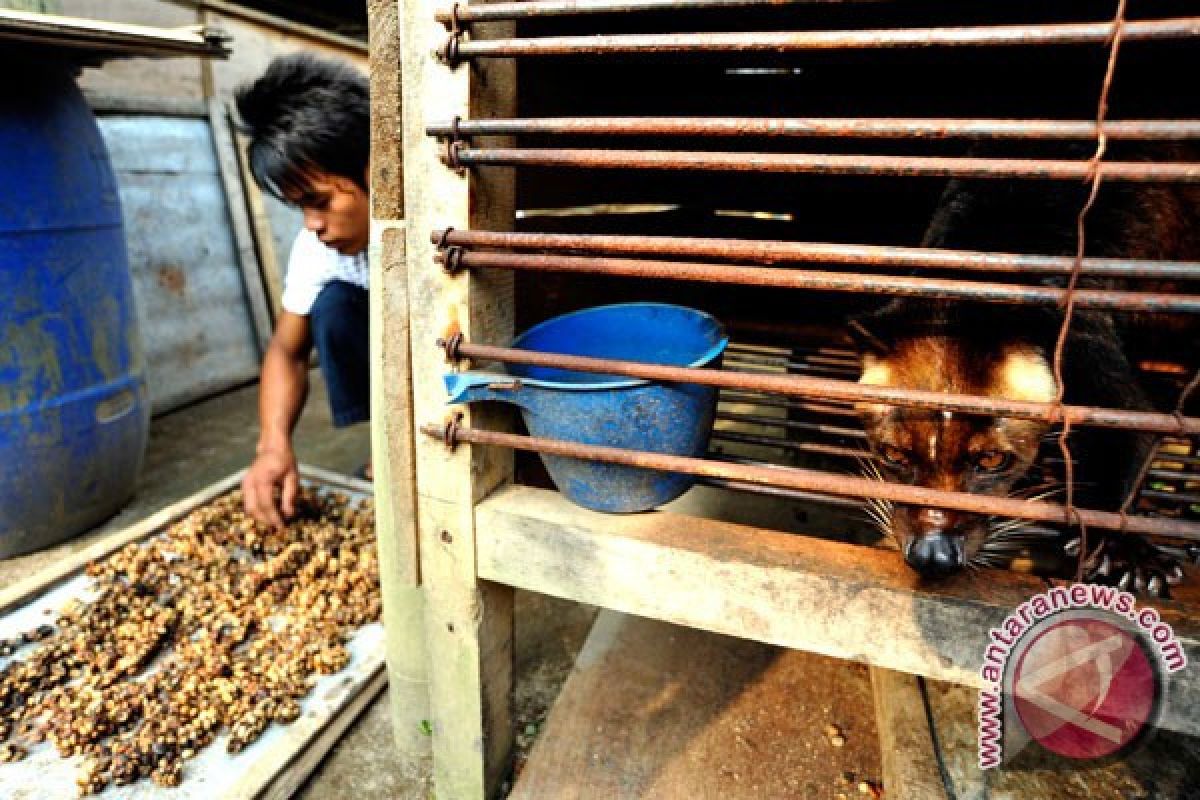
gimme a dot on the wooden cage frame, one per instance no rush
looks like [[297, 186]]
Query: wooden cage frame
[[449, 573]]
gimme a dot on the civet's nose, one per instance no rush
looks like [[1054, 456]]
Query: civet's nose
[[936, 554]]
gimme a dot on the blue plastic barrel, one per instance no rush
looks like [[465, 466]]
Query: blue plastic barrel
[[73, 404]]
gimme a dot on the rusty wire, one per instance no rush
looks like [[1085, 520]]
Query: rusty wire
[[826, 164], [817, 481], [855, 283], [800, 41], [832, 127], [772, 252], [1095, 176], [829, 389]]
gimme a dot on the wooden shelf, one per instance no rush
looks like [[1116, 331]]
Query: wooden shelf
[[102, 39]]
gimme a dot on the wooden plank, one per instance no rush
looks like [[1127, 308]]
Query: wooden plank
[[656, 712], [110, 38], [280, 24], [387, 156], [910, 769], [796, 591], [468, 623], [396, 503], [391, 410], [260, 222], [227, 160], [789, 590]]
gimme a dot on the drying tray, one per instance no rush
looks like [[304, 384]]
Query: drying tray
[[275, 765]]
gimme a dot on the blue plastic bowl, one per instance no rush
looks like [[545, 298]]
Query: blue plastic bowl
[[612, 410]]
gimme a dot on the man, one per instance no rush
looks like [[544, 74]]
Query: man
[[308, 120]]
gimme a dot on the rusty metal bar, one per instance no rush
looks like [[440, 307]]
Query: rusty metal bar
[[791, 424], [760, 365], [778, 349], [823, 164], [826, 388], [831, 127], [855, 255], [787, 494], [781, 278], [815, 497], [531, 9], [813, 480], [768, 401], [814, 448], [809, 356], [816, 364], [1184, 498], [800, 41]]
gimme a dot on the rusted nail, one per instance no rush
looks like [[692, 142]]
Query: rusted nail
[[451, 345], [452, 260], [450, 433]]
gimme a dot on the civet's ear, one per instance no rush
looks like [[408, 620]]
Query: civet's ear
[[866, 341], [878, 332], [875, 332]]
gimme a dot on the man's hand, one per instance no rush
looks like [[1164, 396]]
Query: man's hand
[[281, 394], [271, 469]]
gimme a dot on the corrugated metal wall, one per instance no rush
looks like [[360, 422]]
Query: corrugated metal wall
[[195, 321]]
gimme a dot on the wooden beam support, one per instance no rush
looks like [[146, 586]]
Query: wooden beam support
[[825, 597], [391, 404], [468, 623], [910, 768]]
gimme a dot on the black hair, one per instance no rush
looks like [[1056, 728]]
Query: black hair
[[303, 114]]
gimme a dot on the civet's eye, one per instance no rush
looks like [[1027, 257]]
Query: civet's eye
[[993, 461], [894, 456]]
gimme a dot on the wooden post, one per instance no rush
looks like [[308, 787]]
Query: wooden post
[[468, 622], [260, 225], [391, 402], [910, 770]]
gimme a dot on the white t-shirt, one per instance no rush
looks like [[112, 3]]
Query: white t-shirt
[[311, 265]]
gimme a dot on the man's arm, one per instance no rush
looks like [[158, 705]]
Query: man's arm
[[283, 389]]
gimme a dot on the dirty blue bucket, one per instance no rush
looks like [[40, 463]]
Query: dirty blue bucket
[[612, 410]]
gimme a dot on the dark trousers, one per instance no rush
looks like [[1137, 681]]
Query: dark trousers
[[339, 323]]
